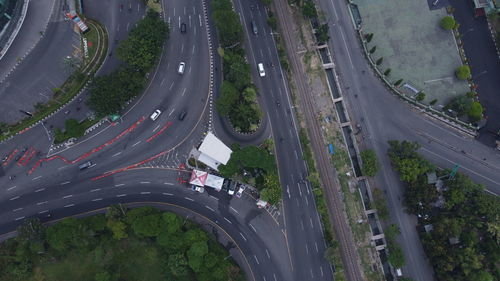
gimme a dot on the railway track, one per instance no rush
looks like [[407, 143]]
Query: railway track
[[328, 175]]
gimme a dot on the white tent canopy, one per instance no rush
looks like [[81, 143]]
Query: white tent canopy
[[213, 151]]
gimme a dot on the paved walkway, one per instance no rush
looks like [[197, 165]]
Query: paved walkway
[[36, 20]]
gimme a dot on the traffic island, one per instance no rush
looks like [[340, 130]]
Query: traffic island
[[93, 57]]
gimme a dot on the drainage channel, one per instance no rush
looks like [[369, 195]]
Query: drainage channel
[[325, 57], [352, 151], [340, 110], [331, 81]]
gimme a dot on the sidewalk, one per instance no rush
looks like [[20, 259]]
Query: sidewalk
[[37, 18]]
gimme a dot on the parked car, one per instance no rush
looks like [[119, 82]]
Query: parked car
[[240, 190], [197, 188], [225, 185], [232, 188]]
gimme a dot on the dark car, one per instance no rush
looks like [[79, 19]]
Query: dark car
[[182, 115], [225, 185], [254, 27], [85, 165], [183, 28]]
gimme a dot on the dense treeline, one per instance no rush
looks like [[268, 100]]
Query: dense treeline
[[138, 244], [464, 243], [139, 52], [238, 96]]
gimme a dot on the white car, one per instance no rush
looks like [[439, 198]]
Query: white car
[[197, 188], [262, 73], [240, 191], [182, 66], [155, 115]]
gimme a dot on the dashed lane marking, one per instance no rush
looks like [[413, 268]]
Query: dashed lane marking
[[120, 184], [242, 236], [121, 195], [33, 179], [168, 183], [14, 198], [97, 199], [41, 189], [64, 183], [136, 143], [268, 255], [146, 192], [214, 197], [94, 190], [227, 220], [44, 211], [10, 188], [20, 218], [234, 210], [256, 259], [187, 198], [67, 196], [209, 208], [16, 210], [69, 205], [41, 203], [253, 228], [145, 182]]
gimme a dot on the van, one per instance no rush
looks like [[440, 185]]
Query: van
[[262, 73], [181, 68], [254, 27], [85, 165]]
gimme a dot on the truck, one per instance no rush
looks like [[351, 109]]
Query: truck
[[76, 19]]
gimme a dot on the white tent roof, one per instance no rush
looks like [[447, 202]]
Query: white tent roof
[[214, 181], [213, 151], [198, 178]]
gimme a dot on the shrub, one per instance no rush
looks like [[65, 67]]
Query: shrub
[[420, 96], [379, 61], [448, 23], [433, 102], [471, 94], [387, 72], [397, 83], [369, 37], [475, 112], [309, 10], [463, 72], [460, 105], [373, 49], [370, 163]]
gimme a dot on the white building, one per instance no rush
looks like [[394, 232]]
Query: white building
[[213, 152]]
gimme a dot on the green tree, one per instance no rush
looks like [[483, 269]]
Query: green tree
[[148, 226], [460, 104], [118, 228], [392, 232], [228, 98], [396, 257], [447, 23], [463, 72], [410, 169], [309, 9], [330, 254], [271, 20], [475, 112], [380, 203], [370, 163], [103, 276], [401, 150], [227, 23], [272, 192], [481, 275], [172, 221], [73, 128], [322, 33], [177, 264]]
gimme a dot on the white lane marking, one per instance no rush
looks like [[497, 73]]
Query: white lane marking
[[60, 168], [307, 249], [36, 178], [192, 52], [209, 208], [288, 191], [296, 155], [312, 275], [168, 194], [67, 196], [257, 260], [302, 224], [14, 198], [316, 245], [199, 17], [187, 198], [162, 81], [121, 195], [146, 192], [64, 183], [94, 190], [41, 189], [156, 128], [300, 190], [69, 205], [227, 220], [97, 199], [41, 203], [174, 12], [10, 188], [274, 275], [243, 237], [297, 201], [44, 211], [307, 201], [214, 197], [234, 210], [311, 221], [173, 109], [171, 85], [168, 183], [255, 230], [184, 91], [321, 269], [116, 154], [16, 210], [20, 218], [145, 182], [182, 48], [136, 143], [184, 10], [268, 255], [128, 24], [346, 48], [119, 184]]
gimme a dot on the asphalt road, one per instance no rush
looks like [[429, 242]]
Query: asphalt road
[[384, 117], [485, 65], [134, 160], [42, 70]]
